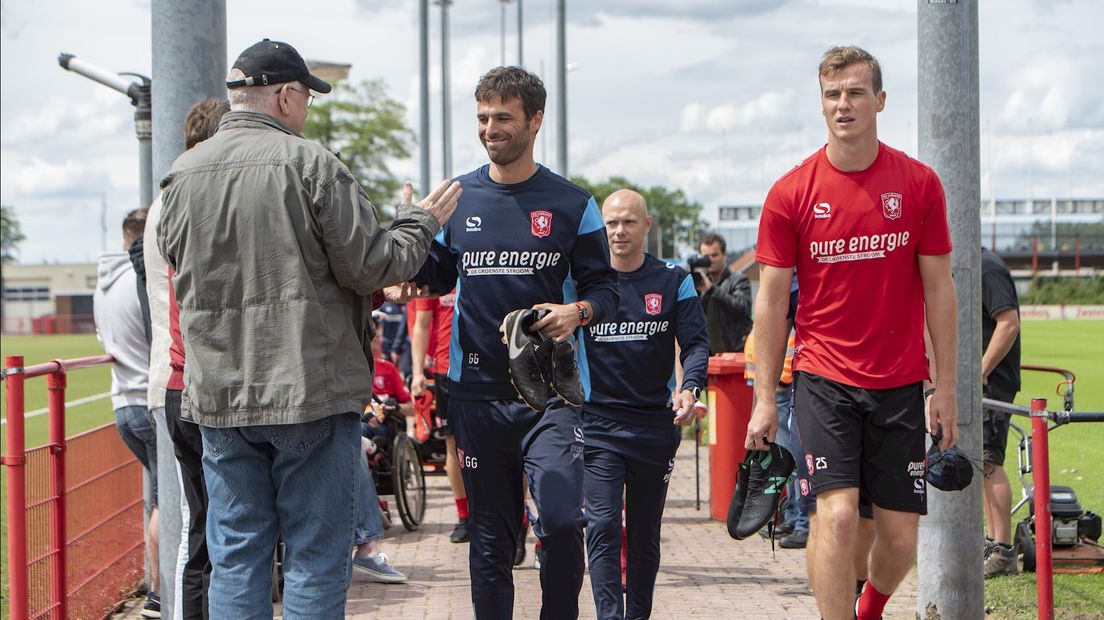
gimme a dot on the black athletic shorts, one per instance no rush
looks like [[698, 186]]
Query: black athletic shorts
[[441, 403], [872, 440], [995, 425]]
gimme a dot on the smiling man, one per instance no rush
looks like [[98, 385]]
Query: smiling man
[[866, 227], [523, 237]]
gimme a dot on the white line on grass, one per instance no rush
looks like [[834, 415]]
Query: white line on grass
[[72, 403]]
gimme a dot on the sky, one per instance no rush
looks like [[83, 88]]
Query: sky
[[715, 97]]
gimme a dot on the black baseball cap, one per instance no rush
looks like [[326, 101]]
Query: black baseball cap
[[274, 62]]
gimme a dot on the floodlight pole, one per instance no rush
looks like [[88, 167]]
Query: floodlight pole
[[949, 559], [423, 93], [521, 29], [446, 87], [138, 90], [561, 95]]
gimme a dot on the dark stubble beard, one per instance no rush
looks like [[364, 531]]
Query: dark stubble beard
[[513, 150]]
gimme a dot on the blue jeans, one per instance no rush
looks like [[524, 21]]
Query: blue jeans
[[369, 525], [797, 510], [299, 482], [136, 428]]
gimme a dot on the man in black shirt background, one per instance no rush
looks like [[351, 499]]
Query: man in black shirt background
[[1000, 374], [725, 296]]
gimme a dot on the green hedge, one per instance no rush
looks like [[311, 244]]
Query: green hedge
[[1067, 290]]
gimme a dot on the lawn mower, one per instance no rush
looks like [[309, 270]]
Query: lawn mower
[[1074, 531]]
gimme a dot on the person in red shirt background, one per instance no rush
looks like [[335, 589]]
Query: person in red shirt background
[[430, 338]]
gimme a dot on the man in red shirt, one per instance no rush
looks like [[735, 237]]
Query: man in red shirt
[[430, 336], [866, 228]]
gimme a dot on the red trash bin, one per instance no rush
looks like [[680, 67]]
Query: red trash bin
[[729, 414]]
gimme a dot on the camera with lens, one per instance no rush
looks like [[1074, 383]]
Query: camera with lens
[[698, 263]]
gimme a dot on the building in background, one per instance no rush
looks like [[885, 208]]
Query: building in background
[[48, 298]]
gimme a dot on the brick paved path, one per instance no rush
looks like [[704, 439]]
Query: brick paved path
[[703, 574]]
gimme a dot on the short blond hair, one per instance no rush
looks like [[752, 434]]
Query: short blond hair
[[844, 56]]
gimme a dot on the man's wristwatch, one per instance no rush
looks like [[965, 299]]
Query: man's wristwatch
[[584, 313], [695, 392]]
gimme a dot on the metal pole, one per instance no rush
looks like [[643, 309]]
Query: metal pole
[[446, 100], [561, 96], [423, 92], [55, 384], [1040, 459], [188, 44], [949, 556], [521, 54], [15, 460], [143, 127], [502, 31]]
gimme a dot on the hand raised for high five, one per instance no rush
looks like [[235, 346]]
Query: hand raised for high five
[[440, 203]]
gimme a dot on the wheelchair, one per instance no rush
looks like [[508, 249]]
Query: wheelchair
[[396, 465]]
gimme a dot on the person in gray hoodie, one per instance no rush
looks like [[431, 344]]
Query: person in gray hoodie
[[121, 328]]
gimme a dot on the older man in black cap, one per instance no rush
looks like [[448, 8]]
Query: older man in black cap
[[278, 260]]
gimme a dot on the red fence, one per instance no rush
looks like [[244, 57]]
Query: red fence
[[75, 532]]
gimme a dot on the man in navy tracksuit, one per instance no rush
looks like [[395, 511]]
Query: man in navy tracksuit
[[521, 237], [630, 438]]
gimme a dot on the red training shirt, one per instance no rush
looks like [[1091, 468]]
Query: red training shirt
[[440, 328], [388, 382], [855, 238]]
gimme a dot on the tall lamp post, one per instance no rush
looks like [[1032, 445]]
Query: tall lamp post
[[138, 90], [561, 96], [446, 99]]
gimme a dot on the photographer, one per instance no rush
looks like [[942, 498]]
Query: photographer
[[725, 296]]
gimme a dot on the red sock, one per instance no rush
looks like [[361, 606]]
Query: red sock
[[871, 603], [462, 507], [524, 517]]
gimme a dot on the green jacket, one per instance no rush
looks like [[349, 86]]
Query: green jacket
[[277, 251]]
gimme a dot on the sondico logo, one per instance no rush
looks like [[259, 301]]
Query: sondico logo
[[474, 223], [822, 211]]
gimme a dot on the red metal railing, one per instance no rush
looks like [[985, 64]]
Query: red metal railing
[[74, 507]]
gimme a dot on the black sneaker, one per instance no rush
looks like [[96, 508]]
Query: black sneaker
[[739, 496], [459, 532], [783, 530], [519, 552], [530, 356], [565, 374], [153, 606], [795, 540], [768, 471]]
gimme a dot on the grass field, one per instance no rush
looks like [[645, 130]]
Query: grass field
[[1077, 451]]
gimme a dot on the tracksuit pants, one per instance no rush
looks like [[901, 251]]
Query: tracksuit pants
[[634, 462], [188, 444], [497, 441]]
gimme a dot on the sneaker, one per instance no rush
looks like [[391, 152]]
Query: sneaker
[[767, 471], [795, 540], [459, 532], [1000, 561], [537, 553], [378, 567], [565, 374], [153, 606], [530, 357], [523, 535], [739, 496], [784, 529]]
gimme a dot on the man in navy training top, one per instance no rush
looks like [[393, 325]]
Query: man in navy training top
[[524, 237], [630, 439]]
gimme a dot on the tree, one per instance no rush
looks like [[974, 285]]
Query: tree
[[678, 218], [365, 128], [11, 235]]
